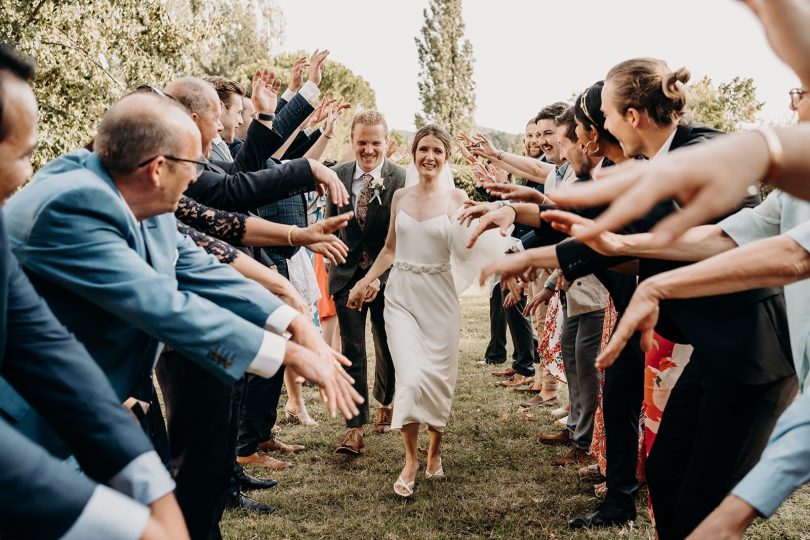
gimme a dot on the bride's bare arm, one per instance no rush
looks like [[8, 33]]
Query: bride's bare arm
[[360, 292]]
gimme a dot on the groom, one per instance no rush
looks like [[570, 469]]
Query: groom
[[371, 180]]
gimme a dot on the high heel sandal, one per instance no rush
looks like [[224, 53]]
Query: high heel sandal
[[407, 489], [438, 473], [303, 418]]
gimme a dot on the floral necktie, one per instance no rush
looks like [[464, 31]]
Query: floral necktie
[[364, 199]]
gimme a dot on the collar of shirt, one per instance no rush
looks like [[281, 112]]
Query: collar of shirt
[[376, 172], [664, 150]]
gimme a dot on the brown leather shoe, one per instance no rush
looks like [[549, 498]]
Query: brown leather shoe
[[260, 459], [539, 401], [516, 380], [508, 372], [574, 457], [352, 443], [562, 438], [384, 416], [276, 445]]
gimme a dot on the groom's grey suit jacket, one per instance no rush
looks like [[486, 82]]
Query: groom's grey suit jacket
[[372, 238]]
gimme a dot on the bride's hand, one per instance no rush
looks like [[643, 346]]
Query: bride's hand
[[357, 295]]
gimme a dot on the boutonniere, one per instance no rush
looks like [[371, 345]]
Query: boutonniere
[[378, 186]]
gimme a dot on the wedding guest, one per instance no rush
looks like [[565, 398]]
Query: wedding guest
[[230, 98], [47, 372], [201, 309], [643, 102]]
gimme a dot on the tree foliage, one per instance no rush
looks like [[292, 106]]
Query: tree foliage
[[445, 84], [728, 107], [91, 52]]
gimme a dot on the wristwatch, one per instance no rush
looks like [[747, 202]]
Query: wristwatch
[[264, 116]]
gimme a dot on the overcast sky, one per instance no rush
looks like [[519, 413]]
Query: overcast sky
[[527, 56]]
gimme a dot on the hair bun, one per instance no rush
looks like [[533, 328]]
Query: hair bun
[[670, 85]]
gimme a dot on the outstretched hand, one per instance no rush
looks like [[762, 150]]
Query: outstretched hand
[[264, 94], [328, 182], [708, 180], [641, 315], [297, 74], [499, 219], [508, 266], [605, 243], [316, 66], [513, 192]]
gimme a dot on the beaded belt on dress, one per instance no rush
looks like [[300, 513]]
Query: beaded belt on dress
[[422, 268]]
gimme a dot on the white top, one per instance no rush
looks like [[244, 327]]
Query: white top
[[664, 150]]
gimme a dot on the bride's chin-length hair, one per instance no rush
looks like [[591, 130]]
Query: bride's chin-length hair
[[434, 130]]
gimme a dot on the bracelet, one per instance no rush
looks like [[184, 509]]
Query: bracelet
[[289, 234], [500, 154], [776, 154], [327, 136]]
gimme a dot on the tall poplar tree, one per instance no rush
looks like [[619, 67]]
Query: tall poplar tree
[[446, 87]]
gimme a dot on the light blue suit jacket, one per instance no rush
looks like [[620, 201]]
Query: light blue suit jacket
[[122, 287]]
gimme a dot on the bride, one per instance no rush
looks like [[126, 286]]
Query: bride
[[422, 312]]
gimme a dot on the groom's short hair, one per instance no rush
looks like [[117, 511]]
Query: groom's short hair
[[369, 118]]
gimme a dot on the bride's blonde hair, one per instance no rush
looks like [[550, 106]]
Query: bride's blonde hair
[[434, 130]]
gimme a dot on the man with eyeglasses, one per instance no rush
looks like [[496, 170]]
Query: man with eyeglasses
[[96, 233]]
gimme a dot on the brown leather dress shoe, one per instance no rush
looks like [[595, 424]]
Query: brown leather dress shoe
[[384, 416], [508, 372], [539, 401], [276, 445], [562, 438], [260, 459], [575, 456], [516, 380], [352, 443]]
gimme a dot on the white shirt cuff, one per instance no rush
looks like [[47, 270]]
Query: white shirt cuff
[[270, 356], [519, 246], [308, 131], [287, 95], [280, 319], [145, 479], [109, 515], [310, 92]]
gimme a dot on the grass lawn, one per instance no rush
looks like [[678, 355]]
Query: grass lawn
[[499, 482]]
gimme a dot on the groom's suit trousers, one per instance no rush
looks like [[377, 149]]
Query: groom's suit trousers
[[353, 337]]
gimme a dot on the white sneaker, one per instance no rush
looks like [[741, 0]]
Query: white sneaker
[[562, 421], [558, 413]]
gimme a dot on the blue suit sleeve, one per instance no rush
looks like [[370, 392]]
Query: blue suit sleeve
[[78, 243], [203, 275]]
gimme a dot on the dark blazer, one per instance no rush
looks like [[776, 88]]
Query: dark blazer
[[47, 372], [289, 211], [245, 191], [290, 115], [261, 143], [745, 332], [302, 144], [372, 238]]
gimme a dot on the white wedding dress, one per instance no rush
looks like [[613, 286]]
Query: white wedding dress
[[422, 312]]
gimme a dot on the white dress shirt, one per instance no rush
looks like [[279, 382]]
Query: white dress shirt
[[309, 91], [357, 183]]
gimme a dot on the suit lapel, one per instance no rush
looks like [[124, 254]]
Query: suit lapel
[[375, 202]]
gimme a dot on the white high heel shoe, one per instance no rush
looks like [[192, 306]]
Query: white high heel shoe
[[405, 490]]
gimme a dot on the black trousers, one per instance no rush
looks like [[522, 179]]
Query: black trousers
[[258, 411], [622, 396], [198, 410], [713, 432], [520, 327], [353, 338]]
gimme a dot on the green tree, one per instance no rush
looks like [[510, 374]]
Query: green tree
[[445, 84], [728, 107], [88, 54]]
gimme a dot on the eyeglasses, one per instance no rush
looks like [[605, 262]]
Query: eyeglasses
[[796, 95], [154, 90], [199, 165]]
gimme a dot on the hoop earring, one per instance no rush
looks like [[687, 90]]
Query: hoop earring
[[588, 149]]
